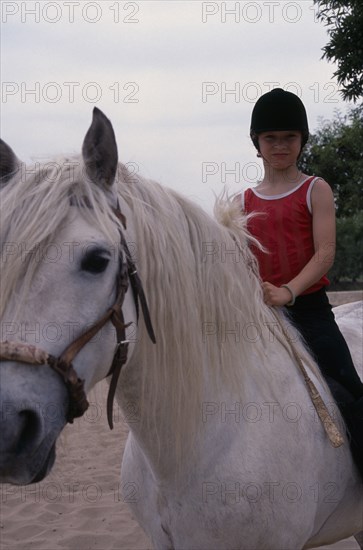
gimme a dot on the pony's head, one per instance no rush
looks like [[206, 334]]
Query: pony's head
[[62, 250], [63, 257]]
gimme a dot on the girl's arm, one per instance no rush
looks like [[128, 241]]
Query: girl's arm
[[323, 212]]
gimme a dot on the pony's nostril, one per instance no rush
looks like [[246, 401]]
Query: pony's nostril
[[29, 426]]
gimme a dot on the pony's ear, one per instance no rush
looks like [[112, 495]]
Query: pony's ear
[[9, 163], [100, 150]]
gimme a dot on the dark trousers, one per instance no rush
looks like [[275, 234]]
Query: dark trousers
[[312, 315]]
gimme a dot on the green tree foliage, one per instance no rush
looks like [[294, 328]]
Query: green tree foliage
[[344, 19], [348, 263], [335, 152]]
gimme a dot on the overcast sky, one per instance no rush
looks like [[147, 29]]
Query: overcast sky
[[178, 80]]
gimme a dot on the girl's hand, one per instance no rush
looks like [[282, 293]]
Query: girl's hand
[[274, 295]]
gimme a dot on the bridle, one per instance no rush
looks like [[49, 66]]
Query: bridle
[[78, 404]]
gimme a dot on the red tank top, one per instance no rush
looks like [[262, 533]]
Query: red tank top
[[283, 225]]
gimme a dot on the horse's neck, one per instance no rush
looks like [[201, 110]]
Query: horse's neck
[[151, 439], [220, 419], [167, 390]]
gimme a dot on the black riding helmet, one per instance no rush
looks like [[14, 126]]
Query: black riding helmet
[[279, 110]]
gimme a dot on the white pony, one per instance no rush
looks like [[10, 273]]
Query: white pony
[[225, 450]]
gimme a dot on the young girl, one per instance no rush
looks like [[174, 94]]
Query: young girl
[[295, 223]]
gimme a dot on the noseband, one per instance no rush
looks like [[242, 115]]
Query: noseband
[[78, 404]]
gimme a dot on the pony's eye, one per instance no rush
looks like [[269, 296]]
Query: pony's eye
[[94, 262]]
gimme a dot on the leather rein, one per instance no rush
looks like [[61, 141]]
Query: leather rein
[[78, 404]]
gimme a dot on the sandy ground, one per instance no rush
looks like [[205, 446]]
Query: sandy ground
[[79, 505]]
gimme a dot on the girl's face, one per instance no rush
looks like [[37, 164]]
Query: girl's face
[[280, 149]]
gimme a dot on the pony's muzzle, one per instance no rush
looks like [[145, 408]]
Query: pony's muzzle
[[31, 419]]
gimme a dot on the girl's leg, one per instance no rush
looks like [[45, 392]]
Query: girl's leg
[[314, 318]]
